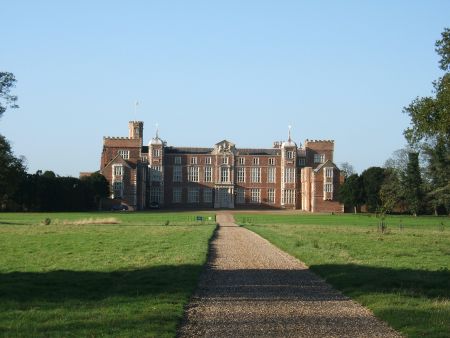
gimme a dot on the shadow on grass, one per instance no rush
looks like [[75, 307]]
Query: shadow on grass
[[61, 285], [357, 280]]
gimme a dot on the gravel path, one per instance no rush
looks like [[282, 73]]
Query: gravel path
[[250, 288]]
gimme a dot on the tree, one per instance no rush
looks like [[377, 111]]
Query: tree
[[372, 179], [412, 183], [12, 172], [430, 129], [347, 169], [351, 192], [98, 187], [7, 82], [391, 191]]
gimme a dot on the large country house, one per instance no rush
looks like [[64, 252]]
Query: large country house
[[222, 176]]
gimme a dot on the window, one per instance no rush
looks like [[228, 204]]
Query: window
[[289, 175], [118, 170], [240, 196], [241, 160], [156, 152], [208, 174], [125, 154], [193, 174], [224, 177], [224, 160], [319, 158], [271, 161], [255, 196], [328, 172], [288, 196], [207, 195], [208, 160], [328, 187], [193, 160], [271, 175], [144, 159], [241, 174], [177, 173], [301, 161], [256, 175], [177, 160], [271, 196], [290, 154], [177, 195], [155, 194], [118, 189], [193, 195], [156, 173], [255, 160]]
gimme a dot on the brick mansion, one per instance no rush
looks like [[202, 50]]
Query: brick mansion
[[222, 176]]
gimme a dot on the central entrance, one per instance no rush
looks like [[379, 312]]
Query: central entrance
[[224, 197]]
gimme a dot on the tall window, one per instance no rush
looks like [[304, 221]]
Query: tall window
[[289, 175], [241, 174], [118, 189], [271, 175], [156, 152], [118, 170], [155, 194], [224, 160], [271, 161], [301, 161], [290, 154], [240, 196], [256, 175], [177, 173], [319, 158], [177, 160], [177, 195], [208, 160], [224, 174], [193, 174], [207, 195], [125, 154], [255, 160], [193, 160], [255, 196], [328, 187], [288, 196], [241, 160], [328, 172], [156, 173], [271, 196], [193, 195], [208, 174]]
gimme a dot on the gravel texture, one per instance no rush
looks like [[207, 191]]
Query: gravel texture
[[252, 289]]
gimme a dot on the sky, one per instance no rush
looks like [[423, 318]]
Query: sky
[[205, 71]]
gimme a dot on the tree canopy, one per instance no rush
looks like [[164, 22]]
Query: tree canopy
[[7, 82]]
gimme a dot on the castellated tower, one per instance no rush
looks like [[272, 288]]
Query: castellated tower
[[135, 129]]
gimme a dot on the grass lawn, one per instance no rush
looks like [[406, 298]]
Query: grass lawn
[[403, 275], [70, 280]]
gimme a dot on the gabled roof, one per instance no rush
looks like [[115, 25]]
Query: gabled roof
[[326, 164], [224, 141], [119, 159]]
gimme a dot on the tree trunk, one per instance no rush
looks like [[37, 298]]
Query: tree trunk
[[354, 209]]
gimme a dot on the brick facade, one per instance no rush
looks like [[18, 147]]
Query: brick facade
[[223, 176]]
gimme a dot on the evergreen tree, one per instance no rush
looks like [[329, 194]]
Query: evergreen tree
[[412, 184]]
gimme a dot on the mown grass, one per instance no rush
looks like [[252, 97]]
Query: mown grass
[[127, 280], [402, 275]]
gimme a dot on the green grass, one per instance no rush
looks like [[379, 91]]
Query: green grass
[[126, 280], [402, 276]]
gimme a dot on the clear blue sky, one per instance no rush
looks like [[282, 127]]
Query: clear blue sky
[[209, 70]]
